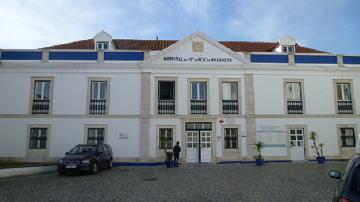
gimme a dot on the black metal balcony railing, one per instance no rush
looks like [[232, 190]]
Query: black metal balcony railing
[[295, 107], [40, 107], [230, 107], [166, 107], [97, 106], [198, 106], [345, 107]]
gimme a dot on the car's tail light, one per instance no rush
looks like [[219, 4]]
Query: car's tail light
[[342, 199]]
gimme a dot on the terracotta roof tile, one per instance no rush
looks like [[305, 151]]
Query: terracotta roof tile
[[83, 44], [134, 44]]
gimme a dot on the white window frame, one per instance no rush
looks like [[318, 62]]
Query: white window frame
[[198, 90], [343, 91], [40, 129], [98, 86], [94, 126], [166, 136], [42, 95], [100, 45], [230, 83], [32, 95], [293, 95], [237, 137], [288, 47], [107, 94]]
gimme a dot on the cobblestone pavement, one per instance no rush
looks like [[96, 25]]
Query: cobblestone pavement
[[300, 181]]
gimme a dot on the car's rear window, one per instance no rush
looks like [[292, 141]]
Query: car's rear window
[[82, 149]]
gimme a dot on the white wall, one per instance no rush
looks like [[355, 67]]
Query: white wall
[[268, 93], [15, 93], [65, 133]]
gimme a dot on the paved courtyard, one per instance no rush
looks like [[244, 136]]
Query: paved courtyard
[[302, 181]]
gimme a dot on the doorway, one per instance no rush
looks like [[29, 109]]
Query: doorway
[[297, 152], [198, 142]]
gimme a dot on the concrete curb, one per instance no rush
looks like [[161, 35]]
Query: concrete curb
[[12, 172]]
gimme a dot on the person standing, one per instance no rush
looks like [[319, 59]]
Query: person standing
[[176, 150]]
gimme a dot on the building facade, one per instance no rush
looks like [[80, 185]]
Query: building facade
[[217, 98]]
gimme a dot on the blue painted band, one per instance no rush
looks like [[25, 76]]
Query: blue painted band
[[21, 55], [351, 59], [124, 56], [258, 58], [315, 59], [275, 145], [138, 163], [270, 161], [73, 55]]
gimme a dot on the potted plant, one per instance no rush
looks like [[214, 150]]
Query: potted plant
[[317, 148], [169, 162], [259, 158]]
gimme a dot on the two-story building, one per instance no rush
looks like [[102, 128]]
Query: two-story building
[[141, 96]]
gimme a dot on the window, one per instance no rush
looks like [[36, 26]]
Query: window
[[98, 90], [98, 97], [293, 91], [198, 91], [343, 91], [42, 90], [347, 136], [293, 98], [41, 98], [102, 45], [343, 96], [166, 90], [38, 138], [230, 97], [166, 97], [165, 138], [230, 91], [231, 138], [96, 135], [288, 49], [198, 97]]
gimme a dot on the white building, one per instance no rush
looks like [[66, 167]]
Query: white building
[[141, 96]]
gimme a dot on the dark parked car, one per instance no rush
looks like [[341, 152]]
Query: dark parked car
[[88, 158], [348, 187]]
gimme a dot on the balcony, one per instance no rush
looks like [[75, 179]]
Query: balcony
[[345, 107], [295, 107], [166, 107], [97, 106], [230, 107], [40, 107], [198, 106]]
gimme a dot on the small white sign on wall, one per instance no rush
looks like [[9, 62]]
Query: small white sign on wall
[[123, 136]]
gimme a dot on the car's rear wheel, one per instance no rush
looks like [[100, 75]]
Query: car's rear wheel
[[110, 164], [94, 169]]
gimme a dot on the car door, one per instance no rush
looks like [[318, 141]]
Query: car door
[[101, 156]]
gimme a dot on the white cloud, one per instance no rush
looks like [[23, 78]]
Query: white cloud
[[256, 20], [196, 8], [34, 24]]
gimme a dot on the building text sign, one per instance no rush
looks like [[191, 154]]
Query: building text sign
[[197, 59]]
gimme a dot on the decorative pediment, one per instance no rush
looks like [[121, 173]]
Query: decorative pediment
[[196, 49]]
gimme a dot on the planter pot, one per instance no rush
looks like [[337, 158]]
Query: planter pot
[[321, 159], [259, 162], [169, 164]]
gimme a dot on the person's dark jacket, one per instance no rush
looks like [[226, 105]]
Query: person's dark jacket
[[177, 150]]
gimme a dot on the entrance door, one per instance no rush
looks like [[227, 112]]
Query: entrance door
[[296, 144], [192, 146], [205, 137]]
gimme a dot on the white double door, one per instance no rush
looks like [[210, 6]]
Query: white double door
[[297, 144], [194, 141]]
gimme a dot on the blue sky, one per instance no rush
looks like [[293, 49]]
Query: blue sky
[[329, 25]]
